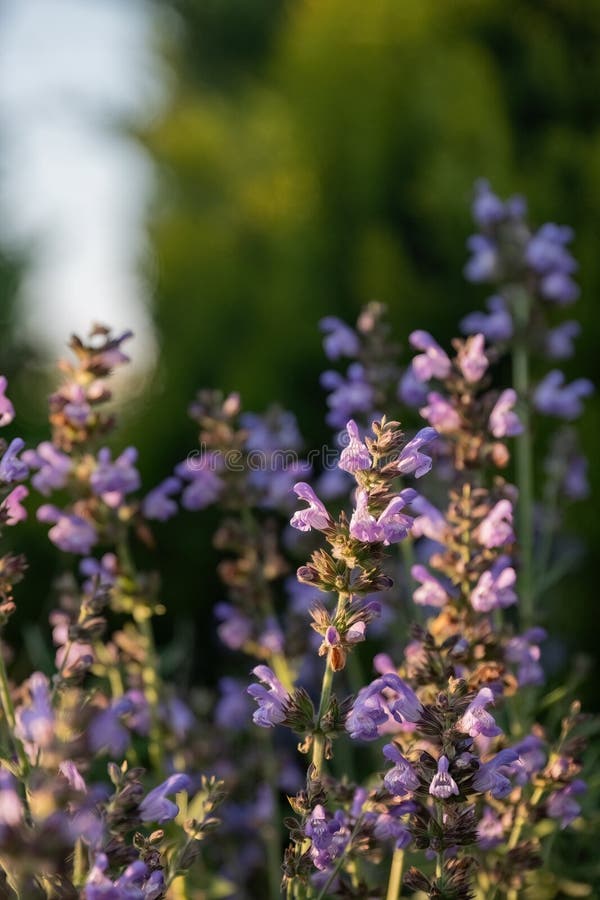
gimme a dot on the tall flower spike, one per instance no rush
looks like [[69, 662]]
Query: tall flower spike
[[315, 515], [443, 784]]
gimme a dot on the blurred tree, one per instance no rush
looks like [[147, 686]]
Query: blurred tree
[[315, 155]]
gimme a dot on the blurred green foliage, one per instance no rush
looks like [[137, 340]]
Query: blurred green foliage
[[316, 154]]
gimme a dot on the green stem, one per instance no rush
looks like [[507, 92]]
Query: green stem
[[524, 456], [9, 715], [394, 889]]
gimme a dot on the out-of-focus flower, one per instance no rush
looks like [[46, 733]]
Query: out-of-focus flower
[[71, 533], [504, 422], [433, 362], [156, 806], [553, 397]]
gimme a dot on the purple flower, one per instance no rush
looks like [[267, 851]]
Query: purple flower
[[11, 505], [524, 652], [315, 515], [553, 397], [559, 340], [411, 391], [494, 589], [547, 255], [487, 209], [476, 719], [401, 778], [497, 325], [495, 529], [235, 628], [158, 503], [430, 522], [440, 413], [272, 702], [7, 410], [433, 362], [348, 396], [575, 482], [490, 832], [322, 832], [112, 481], [443, 784], [156, 807], [233, 706], [69, 770], [136, 883], [340, 339], [355, 455], [371, 708], [532, 757], [107, 731], [389, 825], [11, 808], [431, 592], [411, 460], [484, 262], [102, 572], [472, 361], [11, 467], [503, 421], [204, 484], [492, 776], [71, 533], [53, 467], [35, 721], [392, 525], [562, 805]]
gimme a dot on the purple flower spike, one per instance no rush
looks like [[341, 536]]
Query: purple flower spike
[[411, 460], [340, 339], [272, 702], [440, 413], [496, 529], [71, 533], [476, 719], [553, 397], [355, 455], [7, 410], [433, 362], [472, 361], [158, 503], [11, 467], [431, 592], [156, 807], [443, 784], [503, 421], [402, 778], [315, 516]]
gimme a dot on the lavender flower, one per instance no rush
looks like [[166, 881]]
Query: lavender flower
[[429, 522], [322, 832], [69, 770], [340, 339], [492, 776], [107, 731], [547, 255], [433, 362], [204, 486], [11, 509], [471, 359], [524, 652], [485, 261], [440, 413], [71, 533], [350, 396], [11, 467], [553, 397], [443, 784], [371, 708], [35, 721], [7, 410], [496, 326], [114, 480], [431, 592], [158, 503], [401, 778], [272, 702], [315, 516], [390, 527], [503, 421], [490, 831], [559, 340], [411, 460], [355, 455], [11, 807], [494, 589], [495, 529], [156, 807], [411, 390], [562, 805], [54, 467], [476, 720]]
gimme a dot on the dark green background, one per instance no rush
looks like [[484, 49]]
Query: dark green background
[[317, 154]]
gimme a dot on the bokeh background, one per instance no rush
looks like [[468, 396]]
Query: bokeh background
[[219, 174]]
